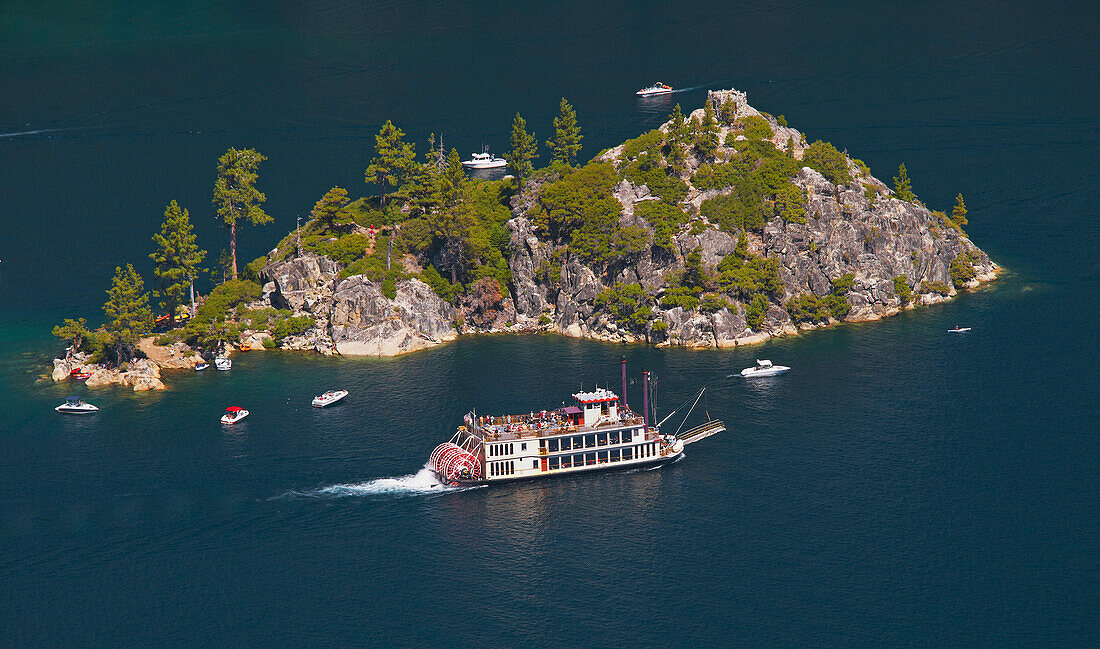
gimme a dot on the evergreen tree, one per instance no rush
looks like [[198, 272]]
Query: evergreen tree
[[453, 178], [706, 140], [325, 211], [236, 196], [677, 129], [74, 331], [902, 187], [524, 150], [176, 258], [567, 135], [958, 214], [127, 310], [393, 164]]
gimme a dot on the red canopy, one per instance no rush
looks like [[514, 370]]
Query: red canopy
[[233, 408]]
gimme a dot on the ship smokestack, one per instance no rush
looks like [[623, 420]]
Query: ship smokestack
[[622, 397], [645, 399]]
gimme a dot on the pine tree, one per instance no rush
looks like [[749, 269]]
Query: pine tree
[[567, 135], [127, 310], [706, 140], [176, 258], [453, 178], [677, 129], [236, 196], [393, 164], [958, 214], [902, 187], [326, 210], [524, 150]]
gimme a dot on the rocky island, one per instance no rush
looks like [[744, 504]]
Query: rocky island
[[722, 227]]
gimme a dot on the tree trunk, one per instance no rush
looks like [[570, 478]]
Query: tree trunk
[[233, 246]]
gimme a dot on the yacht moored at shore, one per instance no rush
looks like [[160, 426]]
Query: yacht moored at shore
[[484, 160], [596, 432]]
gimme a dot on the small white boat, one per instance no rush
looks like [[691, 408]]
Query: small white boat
[[656, 89], [958, 330], [233, 414], [484, 161], [329, 398], [223, 363], [764, 368], [74, 405], [201, 366]]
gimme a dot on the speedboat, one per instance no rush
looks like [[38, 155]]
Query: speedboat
[[233, 414], [484, 161], [223, 363], [764, 368], [201, 366], [75, 405], [958, 330], [82, 376], [656, 89], [329, 398]]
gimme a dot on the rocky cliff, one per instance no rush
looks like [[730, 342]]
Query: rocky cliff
[[859, 228]]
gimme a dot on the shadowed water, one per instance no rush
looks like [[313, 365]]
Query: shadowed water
[[901, 486]]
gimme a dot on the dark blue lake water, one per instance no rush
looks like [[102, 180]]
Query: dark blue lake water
[[899, 487]]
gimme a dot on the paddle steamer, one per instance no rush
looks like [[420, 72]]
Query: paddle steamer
[[597, 432]]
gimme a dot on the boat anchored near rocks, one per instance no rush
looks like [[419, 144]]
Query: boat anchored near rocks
[[74, 405], [596, 432]]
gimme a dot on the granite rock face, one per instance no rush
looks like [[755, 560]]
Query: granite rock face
[[301, 284], [364, 322]]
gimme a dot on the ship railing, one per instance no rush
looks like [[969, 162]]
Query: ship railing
[[702, 431]]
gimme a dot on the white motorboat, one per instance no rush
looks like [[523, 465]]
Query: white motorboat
[[233, 414], [201, 366], [958, 330], [329, 398], [764, 368], [74, 405], [656, 89], [484, 161], [223, 363]]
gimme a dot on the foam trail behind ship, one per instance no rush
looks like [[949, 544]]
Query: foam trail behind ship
[[421, 483]]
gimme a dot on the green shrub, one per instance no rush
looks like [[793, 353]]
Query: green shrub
[[902, 290], [344, 250], [444, 289], [843, 284], [755, 311], [744, 278], [544, 320], [807, 308], [664, 218], [961, 270], [757, 128], [389, 288], [935, 287], [712, 302], [789, 202], [838, 306], [627, 304], [685, 297], [651, 140], [781, 120], [268, 343], [824, 158]]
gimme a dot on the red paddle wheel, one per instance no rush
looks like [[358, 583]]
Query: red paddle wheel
[[452, 462]]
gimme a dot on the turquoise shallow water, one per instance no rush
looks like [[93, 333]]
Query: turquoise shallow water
[[899, 487]]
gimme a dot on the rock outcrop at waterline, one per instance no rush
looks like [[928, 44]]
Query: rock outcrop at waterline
[[861, 228]]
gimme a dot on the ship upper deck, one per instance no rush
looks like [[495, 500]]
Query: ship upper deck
[[545, 423]]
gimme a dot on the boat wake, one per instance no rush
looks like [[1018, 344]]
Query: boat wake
[[423, 482]]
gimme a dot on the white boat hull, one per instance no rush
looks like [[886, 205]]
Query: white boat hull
[[491, 164], [85, 409], [329, 398], [232, 419], [958, 331], [223, 364], [752, 372], [650, 93]]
